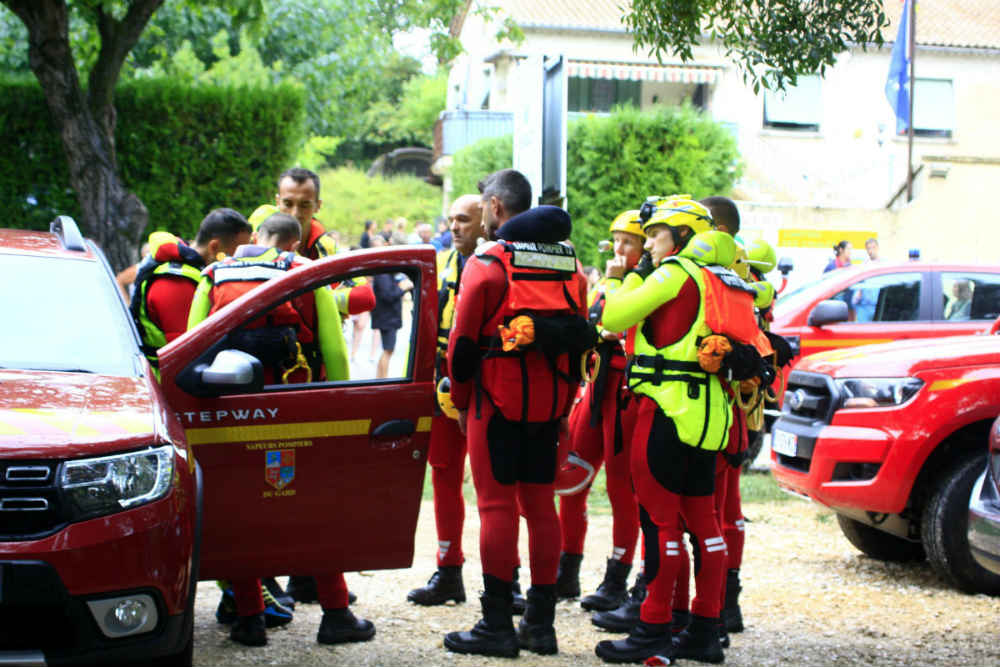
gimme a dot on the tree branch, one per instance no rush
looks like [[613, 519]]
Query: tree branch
[[117, 40]]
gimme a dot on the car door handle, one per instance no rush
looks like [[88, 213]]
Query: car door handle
[[397, 428]]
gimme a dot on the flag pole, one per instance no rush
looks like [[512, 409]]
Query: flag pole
[[911, 49]]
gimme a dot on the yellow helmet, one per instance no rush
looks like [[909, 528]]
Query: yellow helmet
[[761, 256], [260, 214], [444, 398], [677, 211], [628, 222]]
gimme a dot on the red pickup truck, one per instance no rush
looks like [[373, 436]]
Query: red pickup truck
[[891, 437], [118, 493]]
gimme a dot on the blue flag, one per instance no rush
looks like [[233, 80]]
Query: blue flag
[[897, 84]]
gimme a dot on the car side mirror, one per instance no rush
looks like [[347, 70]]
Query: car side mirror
[[785, 266], [830, 311], [234, 369]]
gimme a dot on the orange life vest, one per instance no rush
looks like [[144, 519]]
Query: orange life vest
[[235, 276], [530, 367]]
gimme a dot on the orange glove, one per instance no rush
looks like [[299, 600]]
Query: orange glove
[[712, 351], [518, 334]]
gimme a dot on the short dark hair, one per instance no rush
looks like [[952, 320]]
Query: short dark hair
[[224, 224], [724, 212], [300, 175], [283, 228], [510, 187], [840, 247], [369, 224]]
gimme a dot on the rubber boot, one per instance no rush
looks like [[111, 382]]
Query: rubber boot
[[535, 631], [519, 603], [568, 578], [302, 589], [700, 641], [680, 619], [732, 617], [624, 618], [644, 641], [340, 626], [249, 630], [445, 584], [611, 593], [493, 635]]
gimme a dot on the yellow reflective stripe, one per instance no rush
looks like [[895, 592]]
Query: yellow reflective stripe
[[423, 425], [10, 429], [941, 385], [57, 419], [127, 423], [327, 429], [843, 342]]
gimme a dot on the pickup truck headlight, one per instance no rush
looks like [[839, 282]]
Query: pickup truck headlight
[[876, 392], [114, 483]]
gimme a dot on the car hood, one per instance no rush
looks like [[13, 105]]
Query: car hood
[[905, 358], [53, 414]]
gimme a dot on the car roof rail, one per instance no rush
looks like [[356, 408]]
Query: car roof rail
[[65, 228]]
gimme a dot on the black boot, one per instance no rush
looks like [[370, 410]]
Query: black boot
[[493, 635], [700, 641], [644, 641], [680, 619], [249, 630], [732, 617], [536, 632], [302, 589], [624, 618], [568, 578], [519, 603], [612, 590], [340, 626], [445, 584]]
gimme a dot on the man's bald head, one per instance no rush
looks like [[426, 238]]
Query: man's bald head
[[464, 218]]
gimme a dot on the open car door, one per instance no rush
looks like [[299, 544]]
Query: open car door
[[318, 476]]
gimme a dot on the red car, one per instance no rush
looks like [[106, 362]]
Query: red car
[[880, 302], [117, 494], [890, 437]]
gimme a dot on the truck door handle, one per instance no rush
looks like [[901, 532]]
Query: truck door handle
[[397, 428]]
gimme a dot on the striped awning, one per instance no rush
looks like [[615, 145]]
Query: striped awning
[[633, 72]]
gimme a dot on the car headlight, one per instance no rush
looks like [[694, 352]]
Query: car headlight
[[876, 392], [113, 483]]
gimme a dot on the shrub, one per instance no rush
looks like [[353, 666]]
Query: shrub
[[182, 149], [350, 197], [616, 161]]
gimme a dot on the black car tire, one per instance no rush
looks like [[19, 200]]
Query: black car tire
[[877, 543], [945, 527]]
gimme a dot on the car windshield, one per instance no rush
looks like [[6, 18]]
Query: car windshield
[[63, 315], [804, 293]]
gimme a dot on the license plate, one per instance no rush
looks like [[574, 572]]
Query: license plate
[[785, 443]]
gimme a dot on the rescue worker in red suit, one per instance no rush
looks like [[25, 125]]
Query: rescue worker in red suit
[[505, 193], [683, 422], [166, 278], [299, 196], [752, 263], [600, 427], [447, 448], [315, 320], [512, 391]]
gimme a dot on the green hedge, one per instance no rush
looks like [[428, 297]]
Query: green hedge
[[616, 161], [183, 150]]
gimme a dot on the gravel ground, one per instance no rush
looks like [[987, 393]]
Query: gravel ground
[[809, 599]]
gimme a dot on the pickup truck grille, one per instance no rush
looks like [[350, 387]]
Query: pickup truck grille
[[810, 397], [30, 503]]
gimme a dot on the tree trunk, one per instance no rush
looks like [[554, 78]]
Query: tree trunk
[[112, 215]]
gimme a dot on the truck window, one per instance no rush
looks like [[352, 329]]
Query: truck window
[[970, 296], [893, 297]]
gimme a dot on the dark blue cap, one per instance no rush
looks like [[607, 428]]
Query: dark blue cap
[[548, 224]]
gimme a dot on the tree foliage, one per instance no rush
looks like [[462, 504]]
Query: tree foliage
[[771, 41]]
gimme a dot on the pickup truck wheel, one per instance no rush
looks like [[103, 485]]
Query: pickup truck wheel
[[877, 543], [945, 530]]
